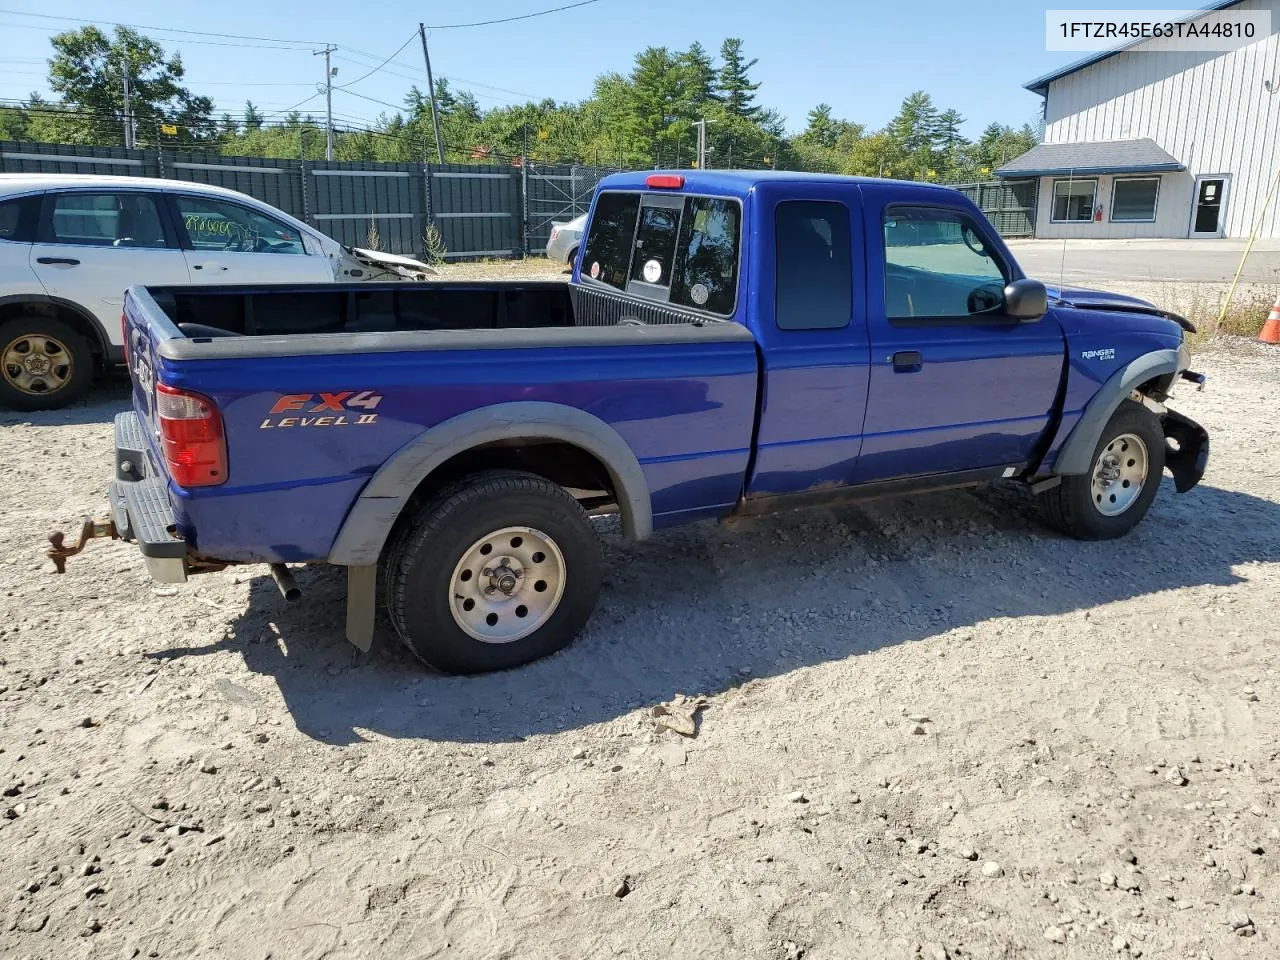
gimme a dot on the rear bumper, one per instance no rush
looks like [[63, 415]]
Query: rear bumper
[[140, 506], [558, 249]]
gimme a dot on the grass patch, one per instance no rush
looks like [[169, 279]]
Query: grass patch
[[1202, 305]]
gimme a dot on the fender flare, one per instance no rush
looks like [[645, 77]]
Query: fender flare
[[100, 339], [1076, 455], [384, 497]]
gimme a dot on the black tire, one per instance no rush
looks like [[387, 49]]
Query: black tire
[[1072, 506], [73, 352], [421, 560]]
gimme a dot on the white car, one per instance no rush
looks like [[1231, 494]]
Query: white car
[[565, 238], [71, 245]]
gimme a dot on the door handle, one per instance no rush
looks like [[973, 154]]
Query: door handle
[[211, 266], [907, 361], [67, 261]]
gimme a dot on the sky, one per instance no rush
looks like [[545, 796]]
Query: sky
[[861, 58]]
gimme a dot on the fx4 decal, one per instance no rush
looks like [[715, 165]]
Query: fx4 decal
[[338, 409], [1102, 353]]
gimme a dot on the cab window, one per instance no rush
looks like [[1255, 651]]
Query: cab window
[[666, 247], [938, 264], [813, 279]]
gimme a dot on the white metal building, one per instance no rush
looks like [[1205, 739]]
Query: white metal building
[[1143, 143]]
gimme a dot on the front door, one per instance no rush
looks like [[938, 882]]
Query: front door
[[956, 385], [1209, 206], [228, 243]]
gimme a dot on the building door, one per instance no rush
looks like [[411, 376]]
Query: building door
[[1208, 206]]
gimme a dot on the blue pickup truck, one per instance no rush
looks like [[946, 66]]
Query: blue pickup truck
[[730, 344]]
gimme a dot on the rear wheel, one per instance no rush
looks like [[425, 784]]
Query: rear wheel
[[497, 570], [44, 363], [1115, 495]]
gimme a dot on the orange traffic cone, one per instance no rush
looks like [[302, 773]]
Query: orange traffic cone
[[1270, 332]]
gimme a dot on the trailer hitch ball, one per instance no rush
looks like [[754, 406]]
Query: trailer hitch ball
[[91, 529]]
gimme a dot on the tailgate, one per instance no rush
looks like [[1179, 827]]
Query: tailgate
[[144, 325]]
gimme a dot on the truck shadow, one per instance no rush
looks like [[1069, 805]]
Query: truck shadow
[[703, 608]]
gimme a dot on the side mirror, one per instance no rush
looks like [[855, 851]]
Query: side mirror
[[1025, 300]]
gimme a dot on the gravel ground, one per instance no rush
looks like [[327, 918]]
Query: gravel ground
[[931, 728]]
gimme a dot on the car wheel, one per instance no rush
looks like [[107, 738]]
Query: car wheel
[[1116, 493], [497, 570], [44, 363]]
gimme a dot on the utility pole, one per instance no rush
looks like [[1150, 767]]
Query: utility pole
[[328, 97], [702, 141], [435, 112], [128, 113]]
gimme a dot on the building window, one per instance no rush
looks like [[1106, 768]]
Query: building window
[[1073, 200], [1134, 200]]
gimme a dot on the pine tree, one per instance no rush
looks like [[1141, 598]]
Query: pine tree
[[252, 118], [948, 133], [821, 129], [736, 89], [916, 125], [698, 76]]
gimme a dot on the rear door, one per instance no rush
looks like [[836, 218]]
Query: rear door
[[228, 242], [955, 384], [93, 244]]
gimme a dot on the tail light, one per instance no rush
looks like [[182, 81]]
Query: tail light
[[124, 339], [191, 437]]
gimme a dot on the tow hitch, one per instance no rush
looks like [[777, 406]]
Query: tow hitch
[[59, 551]]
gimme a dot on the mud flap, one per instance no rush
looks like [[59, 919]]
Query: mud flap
[[362, 583], [1186, 450]]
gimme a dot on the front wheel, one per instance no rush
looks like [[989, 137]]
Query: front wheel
[[498, 570], [1115, 495]]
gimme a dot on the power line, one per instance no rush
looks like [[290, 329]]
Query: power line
[[526, 16], [352, 93], [139, 26], [206, 43], [275, 113], [381, 65], [466, 84]]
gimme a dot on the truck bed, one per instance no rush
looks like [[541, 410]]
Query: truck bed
[[307, 309], [319, 386]]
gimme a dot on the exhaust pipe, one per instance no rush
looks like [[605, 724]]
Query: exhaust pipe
[[284, 580]]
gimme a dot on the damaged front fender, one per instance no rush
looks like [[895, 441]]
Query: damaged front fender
[[1186, 450]]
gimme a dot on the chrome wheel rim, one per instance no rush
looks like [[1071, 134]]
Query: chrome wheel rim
[[36, 364], [1119, 474], [507, 585]]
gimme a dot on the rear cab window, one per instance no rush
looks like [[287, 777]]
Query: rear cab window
[[670, 247]]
